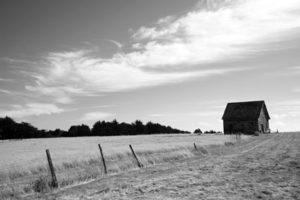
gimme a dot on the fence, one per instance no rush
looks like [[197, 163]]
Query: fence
[[77, 171], [134, 156], [54, 182]]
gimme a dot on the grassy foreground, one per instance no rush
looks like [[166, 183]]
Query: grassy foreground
[[264, 167], [77, 160]]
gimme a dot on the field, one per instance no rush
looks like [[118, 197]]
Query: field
[[77, 160], [264, 167], [20, 154]]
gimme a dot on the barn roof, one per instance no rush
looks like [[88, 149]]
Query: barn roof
[[249, 110]]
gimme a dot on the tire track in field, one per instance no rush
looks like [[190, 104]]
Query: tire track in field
[[263, 168]]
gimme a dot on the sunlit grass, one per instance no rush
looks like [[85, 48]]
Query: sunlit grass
[[74, 171]]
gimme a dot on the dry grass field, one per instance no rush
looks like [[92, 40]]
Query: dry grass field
[[28, 153], [264, 167], [24, 167]]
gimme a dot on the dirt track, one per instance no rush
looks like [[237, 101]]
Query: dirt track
[[265, 167]]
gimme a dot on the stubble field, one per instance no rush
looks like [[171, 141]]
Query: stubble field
[[265, 167], [23, 162], [29, 153]]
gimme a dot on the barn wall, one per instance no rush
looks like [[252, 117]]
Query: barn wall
[[262, 120], [247, 127]]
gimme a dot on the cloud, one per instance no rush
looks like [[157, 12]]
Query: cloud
[[14, 93], [60, 94], [31, 109], [14, 60], [192, 114], [296, 90], [288, 103], [295, 70], [94, 116], [175, 49], [6, 92], [216, 30], [69, 74], [6, 80], [118, 44], [285, 122], [285, 115], [289, 108]]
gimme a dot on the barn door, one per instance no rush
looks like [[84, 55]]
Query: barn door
[[230, 128], [262, 128]]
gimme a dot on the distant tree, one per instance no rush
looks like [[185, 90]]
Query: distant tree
[[9, 129], [125, 129], [115, 127], [138, 128], [151, 128], [210, 132], [81, 130], [73, 131], [97, 128], [13, 130], [61, 133], [198, 131], [103, 128], [85, 130], [44, 134], [26, 130]]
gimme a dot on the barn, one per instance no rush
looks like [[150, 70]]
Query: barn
[[246, 117]]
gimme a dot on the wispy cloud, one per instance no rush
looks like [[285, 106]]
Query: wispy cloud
[[216, 30], [15, 60], [6, 79], [6, 91], [296, 90], [295, 70], [286, 121], [291, 102], [191, 114], [31, 109], [94, 116], [118, 44], [76, 73], [285, 115], [15, 93], [289, 108], [60, 94]]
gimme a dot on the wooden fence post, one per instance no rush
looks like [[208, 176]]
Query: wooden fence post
[[136, 158], [54, 180], [103, 160], [195, 146]]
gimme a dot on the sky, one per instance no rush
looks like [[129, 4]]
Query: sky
[[173, 62]]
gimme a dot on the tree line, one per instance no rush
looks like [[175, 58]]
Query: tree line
[[9, 129]]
